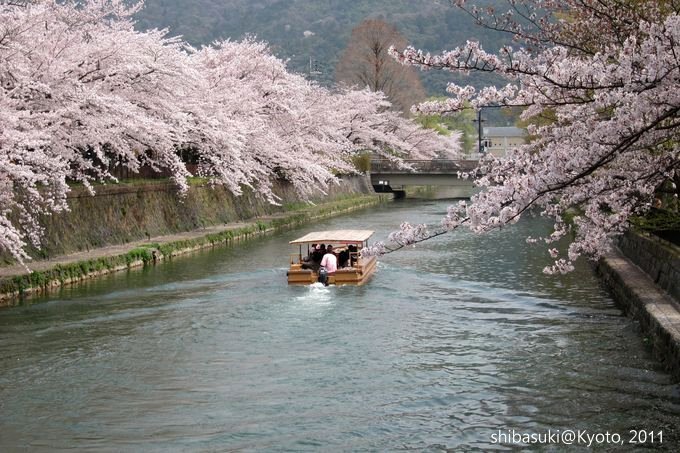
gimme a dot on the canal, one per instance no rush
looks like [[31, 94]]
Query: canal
[[449, 345]]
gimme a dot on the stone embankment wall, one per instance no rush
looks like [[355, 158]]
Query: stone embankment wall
[[658, 258], [123, 213], [643, 275]]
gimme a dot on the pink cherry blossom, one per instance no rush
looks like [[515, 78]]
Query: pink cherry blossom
[[82, 91], [606, 75]]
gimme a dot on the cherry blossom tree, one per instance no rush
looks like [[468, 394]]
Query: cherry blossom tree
[[80, 89], [290, 127], [600, 83], [81, 92], [369, 124]]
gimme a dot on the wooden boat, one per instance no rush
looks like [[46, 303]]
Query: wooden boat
[[303, 270]]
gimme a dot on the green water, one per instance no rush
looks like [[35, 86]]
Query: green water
[[448, 343]]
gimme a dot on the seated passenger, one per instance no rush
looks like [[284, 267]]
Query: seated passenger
[[353, 256], [343, 258], [329, 260], [318, 254], [310, 262], [310, 253]]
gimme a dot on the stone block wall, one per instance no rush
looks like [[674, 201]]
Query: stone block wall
[[658, 258]]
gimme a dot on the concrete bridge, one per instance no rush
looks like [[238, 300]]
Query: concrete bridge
[[386, 176]]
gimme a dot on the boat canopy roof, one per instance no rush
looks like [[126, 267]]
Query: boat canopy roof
[[334, 236]]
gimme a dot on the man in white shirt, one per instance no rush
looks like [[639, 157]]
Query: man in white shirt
[[330, 261]]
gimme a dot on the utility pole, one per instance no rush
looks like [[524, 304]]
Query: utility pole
[[479, 122], [314, 69]]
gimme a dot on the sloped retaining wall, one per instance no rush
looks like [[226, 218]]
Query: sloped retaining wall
[[660, 259], [643, 278], [123, 213]]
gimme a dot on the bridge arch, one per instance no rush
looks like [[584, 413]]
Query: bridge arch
[[388, 176]]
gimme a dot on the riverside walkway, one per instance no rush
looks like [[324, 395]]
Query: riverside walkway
[[115, 250], [642, 299]]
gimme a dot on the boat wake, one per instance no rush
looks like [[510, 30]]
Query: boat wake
[[317, 294]]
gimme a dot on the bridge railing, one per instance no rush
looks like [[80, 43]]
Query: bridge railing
[[423, 166]]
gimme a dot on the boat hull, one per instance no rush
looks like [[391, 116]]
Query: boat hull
[[357, 275]]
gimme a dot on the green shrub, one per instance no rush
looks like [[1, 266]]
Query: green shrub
[[362, 161]]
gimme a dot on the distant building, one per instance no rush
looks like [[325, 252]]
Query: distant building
[[499, 140]]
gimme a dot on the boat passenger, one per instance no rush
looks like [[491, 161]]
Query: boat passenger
[[352, 250], [343, 258], [330, 261], [309, 262], [318, 254], [310, 253]]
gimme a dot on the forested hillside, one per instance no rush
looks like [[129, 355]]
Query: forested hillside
[[318, 30]]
